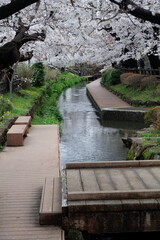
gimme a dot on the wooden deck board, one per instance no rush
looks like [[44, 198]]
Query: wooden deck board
[[22, 174], [75, 174], [89, 180], [103, 179], [148, 178], [57, 203], [51, 202], [128, 198], [133, 182], [103, 97], [48, 195], [23, 120]]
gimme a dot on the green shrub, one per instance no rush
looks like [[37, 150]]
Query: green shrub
[[51, 73], [38, 74], [152, 115], [110, 77], [5, 106], [24, 71], [53, 110]]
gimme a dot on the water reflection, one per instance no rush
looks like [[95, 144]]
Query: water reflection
[[84, 137]]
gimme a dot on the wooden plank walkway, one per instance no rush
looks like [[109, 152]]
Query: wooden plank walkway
[[120, 196], [111, 107], [113, 182], [104, 98], [22, 174]]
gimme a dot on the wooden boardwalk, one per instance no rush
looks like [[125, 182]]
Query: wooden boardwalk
[[22, 173], [104, 98], [113, 181], [120, 196], [111, 107]]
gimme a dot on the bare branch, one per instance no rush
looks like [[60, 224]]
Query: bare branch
[[72, 2]]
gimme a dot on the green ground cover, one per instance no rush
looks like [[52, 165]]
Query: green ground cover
[[142, 93], [47, 112], [151, 93], [22, 101]]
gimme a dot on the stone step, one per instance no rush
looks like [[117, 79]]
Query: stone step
[[51, 202]]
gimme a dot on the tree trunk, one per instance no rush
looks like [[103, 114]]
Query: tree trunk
[[9, 52], [11, 79], [13, 7]]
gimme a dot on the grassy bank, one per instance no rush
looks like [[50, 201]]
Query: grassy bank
[[148, 140], [137, 96], [23, 99], [136, 89], [48, 112], [139, 91]]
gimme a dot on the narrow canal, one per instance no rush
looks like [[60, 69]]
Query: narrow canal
[[84, 137]]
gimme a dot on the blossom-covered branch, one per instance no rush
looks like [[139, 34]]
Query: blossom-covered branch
[[137, 11]]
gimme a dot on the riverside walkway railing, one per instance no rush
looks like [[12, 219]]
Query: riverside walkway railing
[[155, 72]]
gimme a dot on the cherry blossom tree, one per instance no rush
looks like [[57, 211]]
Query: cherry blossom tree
[[132, 27], [10, 53], [76, 31]]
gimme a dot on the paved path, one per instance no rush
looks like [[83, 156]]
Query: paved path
[[22, 173], [104, 98]]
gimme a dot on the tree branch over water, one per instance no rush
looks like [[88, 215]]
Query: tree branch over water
[[137, 11]]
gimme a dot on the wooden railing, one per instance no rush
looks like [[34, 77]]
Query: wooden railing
[[155, 72]]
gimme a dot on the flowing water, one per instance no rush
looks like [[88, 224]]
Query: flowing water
[[84, 137]]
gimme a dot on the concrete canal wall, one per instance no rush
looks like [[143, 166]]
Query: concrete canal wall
[[110, 107]]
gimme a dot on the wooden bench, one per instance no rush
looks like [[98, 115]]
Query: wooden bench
[[16, 134], [51, 202], [21, 120]]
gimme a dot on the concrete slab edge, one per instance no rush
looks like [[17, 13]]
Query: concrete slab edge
[[133, 163]]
